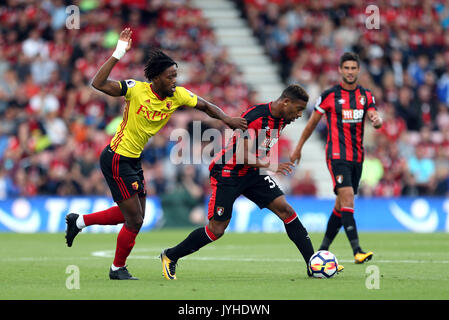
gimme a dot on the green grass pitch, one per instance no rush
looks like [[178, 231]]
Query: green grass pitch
[[246, 266]]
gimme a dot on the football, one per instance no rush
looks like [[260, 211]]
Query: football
[[323, 264]]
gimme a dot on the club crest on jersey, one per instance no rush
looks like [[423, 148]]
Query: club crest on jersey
[[168, 105], [362, 100], [341, 101], [135, 185], [220, 211], [339, 178]]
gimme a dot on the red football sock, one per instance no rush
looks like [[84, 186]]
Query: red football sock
[[125, 243], [109, 216]]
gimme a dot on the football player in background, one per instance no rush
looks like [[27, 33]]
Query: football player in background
[[346, 106]]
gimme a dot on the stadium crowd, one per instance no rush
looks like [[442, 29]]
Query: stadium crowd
[[405, 63], [54, 124]]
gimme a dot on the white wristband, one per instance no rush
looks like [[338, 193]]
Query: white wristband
[[120, 50]]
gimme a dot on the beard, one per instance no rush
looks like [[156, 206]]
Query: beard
[[350, 82]]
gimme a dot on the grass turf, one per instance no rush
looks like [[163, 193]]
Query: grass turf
[[249, 266]]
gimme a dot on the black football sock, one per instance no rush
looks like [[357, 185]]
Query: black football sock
[[347, 218], [333, 226], [298, 234], [197, 239]]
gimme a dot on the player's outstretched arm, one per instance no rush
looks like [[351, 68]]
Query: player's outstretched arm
[[100, 81], [308, 130], [215, 112]]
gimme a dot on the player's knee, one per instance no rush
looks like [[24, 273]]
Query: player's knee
[[347, 203], [218, 232], [135, 223], [217, 229], [285, 212], [347, 200]]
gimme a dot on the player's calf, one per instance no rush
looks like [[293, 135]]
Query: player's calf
[[197, 239]]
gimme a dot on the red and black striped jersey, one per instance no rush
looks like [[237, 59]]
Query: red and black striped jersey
[[345, 111], [263, 128]]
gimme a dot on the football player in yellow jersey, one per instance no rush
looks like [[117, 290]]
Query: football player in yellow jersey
[[149, 105]]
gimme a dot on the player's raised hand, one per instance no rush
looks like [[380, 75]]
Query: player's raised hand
[[237, 123], [125, 35], [123, 44]]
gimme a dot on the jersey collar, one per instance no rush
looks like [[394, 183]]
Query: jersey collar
[[341, 86], [154, 92]]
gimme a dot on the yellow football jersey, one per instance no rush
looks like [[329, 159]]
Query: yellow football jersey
[[145, 114]]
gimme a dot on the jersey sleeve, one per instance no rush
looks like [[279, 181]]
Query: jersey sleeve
[[253, 122], [186, 97], [371, 103], [129, 88], [322, 104]]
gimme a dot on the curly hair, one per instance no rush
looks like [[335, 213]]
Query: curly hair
[[157, 63]]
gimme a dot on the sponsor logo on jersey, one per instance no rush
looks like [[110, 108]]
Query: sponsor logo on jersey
[[352, 115], [151, 114]]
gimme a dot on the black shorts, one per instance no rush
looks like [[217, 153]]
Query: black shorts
[[124, 175], [260, 189], [345, 174]]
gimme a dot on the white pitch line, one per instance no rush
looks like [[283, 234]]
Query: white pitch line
[[110, 254]]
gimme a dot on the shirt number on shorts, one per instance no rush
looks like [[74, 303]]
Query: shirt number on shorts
[[270, 181]]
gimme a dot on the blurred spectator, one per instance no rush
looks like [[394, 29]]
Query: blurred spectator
[[441, 183], [184, 206], [371, 175], [393, 127], [305, 185], [410, 187], [443, 87], [408, 111], [7, 186], [427, 142], [423, 169], [34, 46], [426, 106], [388, 186], [417, 69]]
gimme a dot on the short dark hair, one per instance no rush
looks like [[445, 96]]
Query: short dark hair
[[157, 63], [349, 56], [295, 92]]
